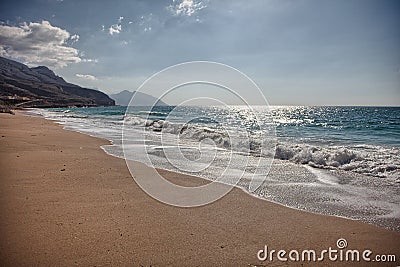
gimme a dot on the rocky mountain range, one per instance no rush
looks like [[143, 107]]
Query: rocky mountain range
[[41, 87]]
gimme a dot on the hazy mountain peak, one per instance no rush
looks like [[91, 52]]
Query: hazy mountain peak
[[141, 99]]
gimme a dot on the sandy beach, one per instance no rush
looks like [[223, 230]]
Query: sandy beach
[[65, 202]]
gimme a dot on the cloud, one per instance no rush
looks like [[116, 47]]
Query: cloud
[[38, 44], [74, 38], [86, 77], [186, 7], [115, 28], [90, 60]]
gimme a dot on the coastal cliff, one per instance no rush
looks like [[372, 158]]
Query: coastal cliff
[[22, 86]]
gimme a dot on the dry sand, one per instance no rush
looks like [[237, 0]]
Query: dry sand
[[65, 202]]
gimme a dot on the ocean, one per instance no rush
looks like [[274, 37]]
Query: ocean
[[340, 161]]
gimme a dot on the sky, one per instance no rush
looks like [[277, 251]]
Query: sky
[[304, 52]]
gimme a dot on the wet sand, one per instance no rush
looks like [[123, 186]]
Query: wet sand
[[65, 202]]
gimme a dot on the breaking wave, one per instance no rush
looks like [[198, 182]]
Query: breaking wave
[[375, 161], [366, 159]]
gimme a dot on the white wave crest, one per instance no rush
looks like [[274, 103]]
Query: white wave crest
[[376, 161]]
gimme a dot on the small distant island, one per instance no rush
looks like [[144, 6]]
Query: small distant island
[[21, 86]]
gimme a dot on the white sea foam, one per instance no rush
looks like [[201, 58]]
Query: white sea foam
[[376, 161], [364, 159], [323, 177]]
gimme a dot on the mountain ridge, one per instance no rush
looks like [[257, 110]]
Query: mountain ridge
[[41, 87]]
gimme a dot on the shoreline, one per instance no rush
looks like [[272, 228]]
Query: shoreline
[[390, 224], [65, 127], [194, 236]]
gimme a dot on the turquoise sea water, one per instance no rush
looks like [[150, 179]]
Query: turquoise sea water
[[306, 135], [341, 161]]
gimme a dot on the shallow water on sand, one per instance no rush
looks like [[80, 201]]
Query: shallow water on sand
[[341, 161]]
